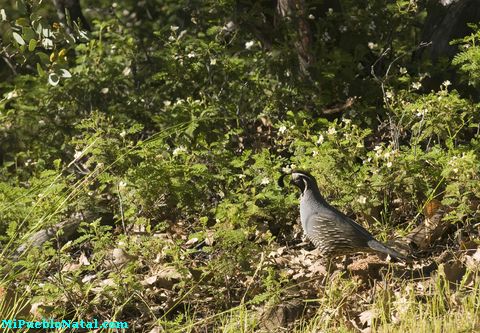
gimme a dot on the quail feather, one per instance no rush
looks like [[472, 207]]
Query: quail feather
[[331, 231]]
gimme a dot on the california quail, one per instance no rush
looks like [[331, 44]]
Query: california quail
[[331, 231]]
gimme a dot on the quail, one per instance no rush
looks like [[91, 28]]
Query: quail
[[331, 231]]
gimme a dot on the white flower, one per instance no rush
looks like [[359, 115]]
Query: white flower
[[123, 133], [229, 26], [325, 37], [77, 154], [389, 94], [282, 129], [361, 199], [446, 83], [403, 70], [265, 181], [171, 38], [249, 44], [320, 139], [311, 17], [191, 54], [372, 45], [167, 103], [389, 164], [181, 34], [122, 184], [343, 28], [179, 150], [286, 170], [12, 94], [104, 90], [346, 120], [416, 85], [126, 71], [421, 113], [332, 131], [173, 28], [213, 61]]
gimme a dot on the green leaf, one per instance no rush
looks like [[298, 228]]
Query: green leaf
[[22, 22], [40, 70], [18, 38], [32, 45]]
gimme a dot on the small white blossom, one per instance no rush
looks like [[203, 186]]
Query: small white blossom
[[403, 70], [249, 44], [330, 11], [12, 94], [346, 120], [179, 150], [229, 26], [104, 90], [123, 133], [343, 28], [421, 113], [265, 181], [416, 85], [213, 61], [389, 164], [320, 139], [126, 71], [78, 154], [361, 199], [171, 38], [191, 54], [446, 83], [332, 131], [167, 103], [282, 129], [174, 28], [389, 94], [181, 34], [326, 37], [122, 184], [372, 45]]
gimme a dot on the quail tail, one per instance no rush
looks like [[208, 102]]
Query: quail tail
[[377, 246]]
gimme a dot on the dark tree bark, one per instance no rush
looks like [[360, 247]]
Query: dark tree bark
[[447, 20], [70, 11]]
